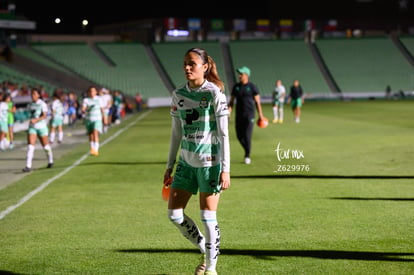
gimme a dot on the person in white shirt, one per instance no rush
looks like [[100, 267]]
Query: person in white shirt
[[37, 129], [91, 108], [4, 112], [106, 104], [278, 101], [57, 112]]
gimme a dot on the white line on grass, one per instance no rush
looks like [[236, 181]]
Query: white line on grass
[[76, 163]]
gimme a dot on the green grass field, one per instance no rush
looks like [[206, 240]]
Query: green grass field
[[339, 201]]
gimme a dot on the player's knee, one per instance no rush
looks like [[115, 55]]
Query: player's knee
[[176, 216], [208, 216]]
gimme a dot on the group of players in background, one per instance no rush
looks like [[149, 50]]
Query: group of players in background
[[295, 99], [98, 109]]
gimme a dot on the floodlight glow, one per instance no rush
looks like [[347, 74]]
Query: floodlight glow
[[177, 33]]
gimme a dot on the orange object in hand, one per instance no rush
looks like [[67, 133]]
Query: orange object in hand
[[262, 123], [166, 188]]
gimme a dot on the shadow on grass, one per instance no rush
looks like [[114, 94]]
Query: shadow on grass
[[122, 163], [320, 254], [321, 176], [372, 199]]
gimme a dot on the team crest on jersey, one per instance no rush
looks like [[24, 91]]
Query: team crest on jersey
[[203, 102]]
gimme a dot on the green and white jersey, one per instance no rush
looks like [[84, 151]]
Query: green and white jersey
[[57, 109], [4, 111], [36, 109], [93, 108], [198, 111], [279, 94]]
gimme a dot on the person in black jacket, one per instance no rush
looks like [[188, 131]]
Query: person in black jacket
[[247, 97], [296, 99]]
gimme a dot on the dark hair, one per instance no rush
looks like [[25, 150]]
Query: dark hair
[[211, 74]]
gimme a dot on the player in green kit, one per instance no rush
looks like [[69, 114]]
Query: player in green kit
[[57, 112], [278, 101], [4, 110], [37, 129], [91, 108], [200, 130]]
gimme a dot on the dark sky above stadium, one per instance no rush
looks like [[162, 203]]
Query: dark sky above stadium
[[107, 12]]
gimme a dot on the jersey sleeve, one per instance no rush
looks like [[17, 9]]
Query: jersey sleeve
[[222, 108], [174, 105]]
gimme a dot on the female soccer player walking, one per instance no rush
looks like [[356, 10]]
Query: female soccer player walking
[[92, 109], [200, 128], [37, 129]]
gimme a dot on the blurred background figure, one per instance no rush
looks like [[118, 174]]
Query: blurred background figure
[[118, 103], [138, 102], [278, 100], [73, 106], [296, 99], [4, 109], [57, 112], [10, 118], [91, 108], [388, 91], [106, 104]]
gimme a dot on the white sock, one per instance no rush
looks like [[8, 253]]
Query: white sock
[[187, 228], [96, 146], [29, 155], [49, 153], [212, 238], [52, 137], [60, 137], [275, 112], [92, 144], [281, 113]]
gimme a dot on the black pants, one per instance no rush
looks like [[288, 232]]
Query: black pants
[[244, 131]]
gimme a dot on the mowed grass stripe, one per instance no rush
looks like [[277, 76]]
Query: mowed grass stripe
[[45, 184]]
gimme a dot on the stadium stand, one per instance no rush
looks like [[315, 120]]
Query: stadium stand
[[35, 56], [126, 67], [364, 67], [279, 59], [9, 74], [408, 43], [170, 55], [358, 67]]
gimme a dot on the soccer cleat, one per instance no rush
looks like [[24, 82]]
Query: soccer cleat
[[93, 152], [49, 165], [11, 146], [202, 266], [247, 160], [26, 169], [210, 272], [275, 120], [280, 120]]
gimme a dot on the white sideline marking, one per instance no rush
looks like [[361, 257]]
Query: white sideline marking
[[76, 163]]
